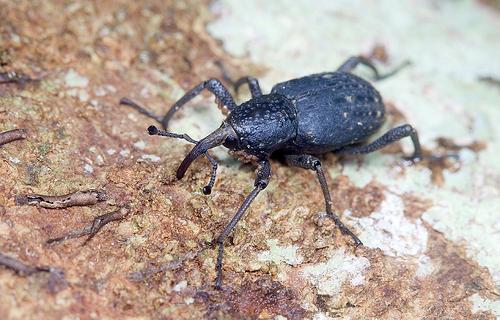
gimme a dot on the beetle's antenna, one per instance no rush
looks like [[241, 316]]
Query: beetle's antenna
[[214, 139], [152, 130]]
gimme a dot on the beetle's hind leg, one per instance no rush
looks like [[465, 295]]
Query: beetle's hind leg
[[312, 163], [389, 137], [253, 83], [352, 62]]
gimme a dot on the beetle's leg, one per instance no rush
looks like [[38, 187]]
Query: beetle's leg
[[312, 163], [389, 137], [152, 130], [261, 181], [352, 62], [212, 85], [253, 84], [144, 111]]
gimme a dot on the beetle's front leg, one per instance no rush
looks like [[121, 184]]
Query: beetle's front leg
[[352, 62], [261, 182], [212, 85], [253, 84], [312, 163]]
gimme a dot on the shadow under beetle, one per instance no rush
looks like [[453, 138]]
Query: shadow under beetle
[[300, 119]]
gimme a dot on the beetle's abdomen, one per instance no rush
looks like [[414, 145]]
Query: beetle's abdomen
[[333, 110]]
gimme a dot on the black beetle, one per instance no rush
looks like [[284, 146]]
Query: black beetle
[[300, 119]]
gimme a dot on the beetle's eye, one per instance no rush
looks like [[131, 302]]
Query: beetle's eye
[[231, 142]]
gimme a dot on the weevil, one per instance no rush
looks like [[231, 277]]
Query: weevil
[[298, 120]]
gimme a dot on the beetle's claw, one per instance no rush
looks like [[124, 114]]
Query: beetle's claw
[[430, 158], [411, 160]]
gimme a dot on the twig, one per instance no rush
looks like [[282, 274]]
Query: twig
[[13, 135], [150, 271], [79, 198], [490, 80], [19, 267], [92, 229], [56, 280], [14, 77]]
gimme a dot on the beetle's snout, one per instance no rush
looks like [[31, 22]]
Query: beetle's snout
[[214, 139]]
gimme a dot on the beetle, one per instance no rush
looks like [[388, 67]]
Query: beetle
[[298, 120]]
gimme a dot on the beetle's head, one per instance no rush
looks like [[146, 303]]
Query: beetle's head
[[223, 134]]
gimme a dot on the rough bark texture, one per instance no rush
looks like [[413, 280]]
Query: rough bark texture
[[431, 233]]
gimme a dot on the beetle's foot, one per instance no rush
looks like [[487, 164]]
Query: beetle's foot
[[431, 158], [356, 240], [218, 286], [411, 160], [218, 280], [345, 230]]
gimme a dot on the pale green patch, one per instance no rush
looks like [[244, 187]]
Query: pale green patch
[[328, 277], [75, 80], [480, 304], [279, 254], [389, 230]]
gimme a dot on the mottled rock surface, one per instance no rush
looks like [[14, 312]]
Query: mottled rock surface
[[431, 232]]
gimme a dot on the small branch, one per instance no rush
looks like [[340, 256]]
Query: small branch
[[14, 77], [490, 80], [79, 198], [56, 281], [147, 272], [19, 267], [13, 135], [92, 229]]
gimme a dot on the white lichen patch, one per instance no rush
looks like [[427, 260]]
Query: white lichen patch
[[104, 90], [280, 254], [14, 160], [340, 268], [389, 230], [328, 277], [74, 80], [149, 157], [481, 304], [141, 145], [180, 286], [77, 84], [87, 168], [424, 266], [323, 316], [125, 153], [470, 220]]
